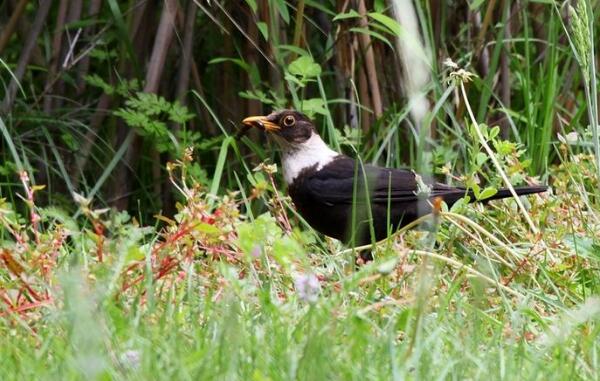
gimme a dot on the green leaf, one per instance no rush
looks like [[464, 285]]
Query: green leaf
[[314, 106], [348, 15], [475, 188], [291, 78], [459, 205], [392, 25], [134, 253], [264, 29], [257, 95], [96, 81], [494, 132], [216, 181], [294, 49], [252, 5], [304, 67], [372, 34], [475, 4], [257, 233], [208, 229], [237, 61], [283, 11], [504, 147], [481, 158], [179, 113], [487, 193]]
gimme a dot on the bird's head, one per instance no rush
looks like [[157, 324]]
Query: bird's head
[[289, 128], [302, 147]]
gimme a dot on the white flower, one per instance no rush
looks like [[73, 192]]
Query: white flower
[[131, 359], [308, 287], [570, 138], [451, 64]]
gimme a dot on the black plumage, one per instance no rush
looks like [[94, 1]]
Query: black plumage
[[387, 197], [352, 202]]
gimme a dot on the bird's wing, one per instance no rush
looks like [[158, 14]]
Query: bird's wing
[[335, 184]]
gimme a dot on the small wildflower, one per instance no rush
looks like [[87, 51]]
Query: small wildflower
[[570, 138], [131, 359], [81, 200], [188, 154], [255, 253], [268, 168], [24, 176], [308, 287], [451, 64], [446, 169], [461, 75]]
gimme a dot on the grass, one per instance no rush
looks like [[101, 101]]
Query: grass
[[218, 296], [237, 286]]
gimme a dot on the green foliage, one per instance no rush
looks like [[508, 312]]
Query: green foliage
[[214, 294], [303, 70], [214, 289], [123, 88], [149, 114]]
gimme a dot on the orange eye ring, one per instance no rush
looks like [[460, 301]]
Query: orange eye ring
[[289, 121]]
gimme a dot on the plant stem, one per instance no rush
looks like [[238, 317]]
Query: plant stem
[[490, 153], [298, 25]]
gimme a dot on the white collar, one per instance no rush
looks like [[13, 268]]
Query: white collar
[[298, 157]]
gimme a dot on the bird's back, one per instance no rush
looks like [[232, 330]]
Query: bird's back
[[355, 203]]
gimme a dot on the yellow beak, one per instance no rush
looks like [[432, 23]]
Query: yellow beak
[[261, 122]]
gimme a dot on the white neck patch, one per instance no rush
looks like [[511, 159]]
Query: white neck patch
[[297, 157]]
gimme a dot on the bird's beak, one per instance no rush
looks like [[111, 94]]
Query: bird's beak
[[261, 122]]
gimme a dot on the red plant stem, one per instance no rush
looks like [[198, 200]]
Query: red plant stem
[[284, 216], [26, 307], [99, 230], [6, 300], [33, 216]]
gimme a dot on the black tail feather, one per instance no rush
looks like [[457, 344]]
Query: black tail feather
[[521, 191]]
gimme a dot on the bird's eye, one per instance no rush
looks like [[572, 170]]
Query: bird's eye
[[289, 121]]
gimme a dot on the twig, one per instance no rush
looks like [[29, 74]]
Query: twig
[[71, 48]]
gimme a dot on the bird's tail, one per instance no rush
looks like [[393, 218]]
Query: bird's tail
[[521, 191]]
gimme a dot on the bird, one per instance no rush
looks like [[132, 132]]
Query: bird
[[345, 199]]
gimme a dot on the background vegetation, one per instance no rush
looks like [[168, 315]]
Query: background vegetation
[[139, 239]]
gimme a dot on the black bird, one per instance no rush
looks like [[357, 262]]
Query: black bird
[[344, 199]]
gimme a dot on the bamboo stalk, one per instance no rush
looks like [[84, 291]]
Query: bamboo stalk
[[183, 77], [30, 43], [298, 25], [84, 64], [10, 27], [369, 61], [51, 80]]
